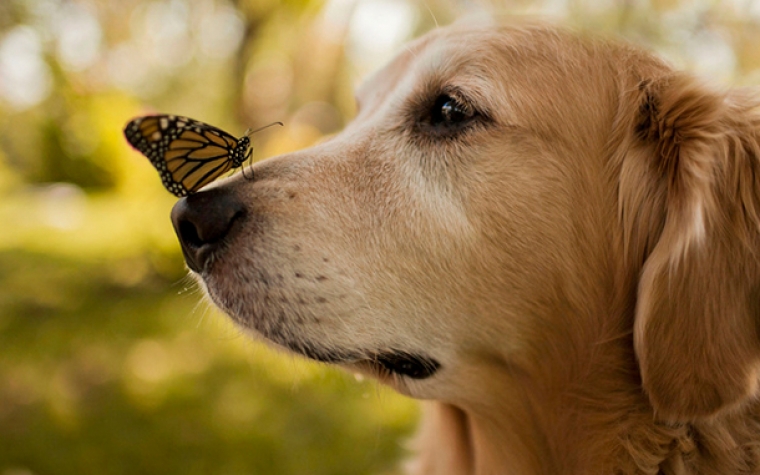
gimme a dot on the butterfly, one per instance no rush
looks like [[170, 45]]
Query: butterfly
[[187, 153]]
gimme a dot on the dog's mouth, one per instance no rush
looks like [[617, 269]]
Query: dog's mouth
[[389, 361], [273, 324]]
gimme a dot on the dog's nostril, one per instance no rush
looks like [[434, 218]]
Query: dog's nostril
[[203, 221], [189, 234]]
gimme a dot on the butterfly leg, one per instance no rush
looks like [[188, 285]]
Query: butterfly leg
[[247, 160]]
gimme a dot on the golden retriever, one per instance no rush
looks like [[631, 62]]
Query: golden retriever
[[555, 239]]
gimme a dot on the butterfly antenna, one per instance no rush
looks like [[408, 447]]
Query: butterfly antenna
[[250, 132]]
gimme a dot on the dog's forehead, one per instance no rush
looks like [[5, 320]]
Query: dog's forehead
[[380, 83], [490, 60], [434, 58]]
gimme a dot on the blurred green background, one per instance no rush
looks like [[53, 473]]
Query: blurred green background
[[111, 362]]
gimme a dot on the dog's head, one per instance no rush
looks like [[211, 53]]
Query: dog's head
[[491, 208]]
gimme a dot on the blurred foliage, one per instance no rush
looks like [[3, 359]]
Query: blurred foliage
[[102, 372], [108, 362]]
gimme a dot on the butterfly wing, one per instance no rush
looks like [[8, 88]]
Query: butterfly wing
[[187, 153]]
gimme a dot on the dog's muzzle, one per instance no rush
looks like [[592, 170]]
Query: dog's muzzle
[[202, 221], [205, 221]]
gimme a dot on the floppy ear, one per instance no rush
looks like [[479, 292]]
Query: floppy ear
[[689, 203]]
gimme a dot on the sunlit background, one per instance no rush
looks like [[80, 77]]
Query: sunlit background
[[110, 362]]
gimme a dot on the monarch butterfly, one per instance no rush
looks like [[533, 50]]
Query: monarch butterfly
[[187, 153]]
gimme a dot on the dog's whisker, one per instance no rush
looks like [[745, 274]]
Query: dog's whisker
[[431, 13]]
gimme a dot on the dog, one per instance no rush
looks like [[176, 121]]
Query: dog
[[552, 238]]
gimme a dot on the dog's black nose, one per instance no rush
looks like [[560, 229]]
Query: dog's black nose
[[202, 221]]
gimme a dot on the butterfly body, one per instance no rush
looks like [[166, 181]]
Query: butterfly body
[[187, 153]]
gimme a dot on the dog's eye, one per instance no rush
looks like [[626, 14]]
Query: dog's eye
[[447, 115], [448, 111]]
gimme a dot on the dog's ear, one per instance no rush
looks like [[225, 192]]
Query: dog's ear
[[689, 202]]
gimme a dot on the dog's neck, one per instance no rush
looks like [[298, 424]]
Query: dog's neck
[[543, 431], [461, 445], [574, 403]]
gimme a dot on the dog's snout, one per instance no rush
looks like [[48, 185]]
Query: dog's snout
[[202, 221]]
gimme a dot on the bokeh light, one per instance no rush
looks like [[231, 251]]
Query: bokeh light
[[24, 75]]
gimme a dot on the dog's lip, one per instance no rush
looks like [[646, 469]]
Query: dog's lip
[[413, 365], [192, 264], [204, 254]]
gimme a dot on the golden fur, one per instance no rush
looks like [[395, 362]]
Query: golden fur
[[581, 259]]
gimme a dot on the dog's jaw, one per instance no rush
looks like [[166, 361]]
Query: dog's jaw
[[290, 323]]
